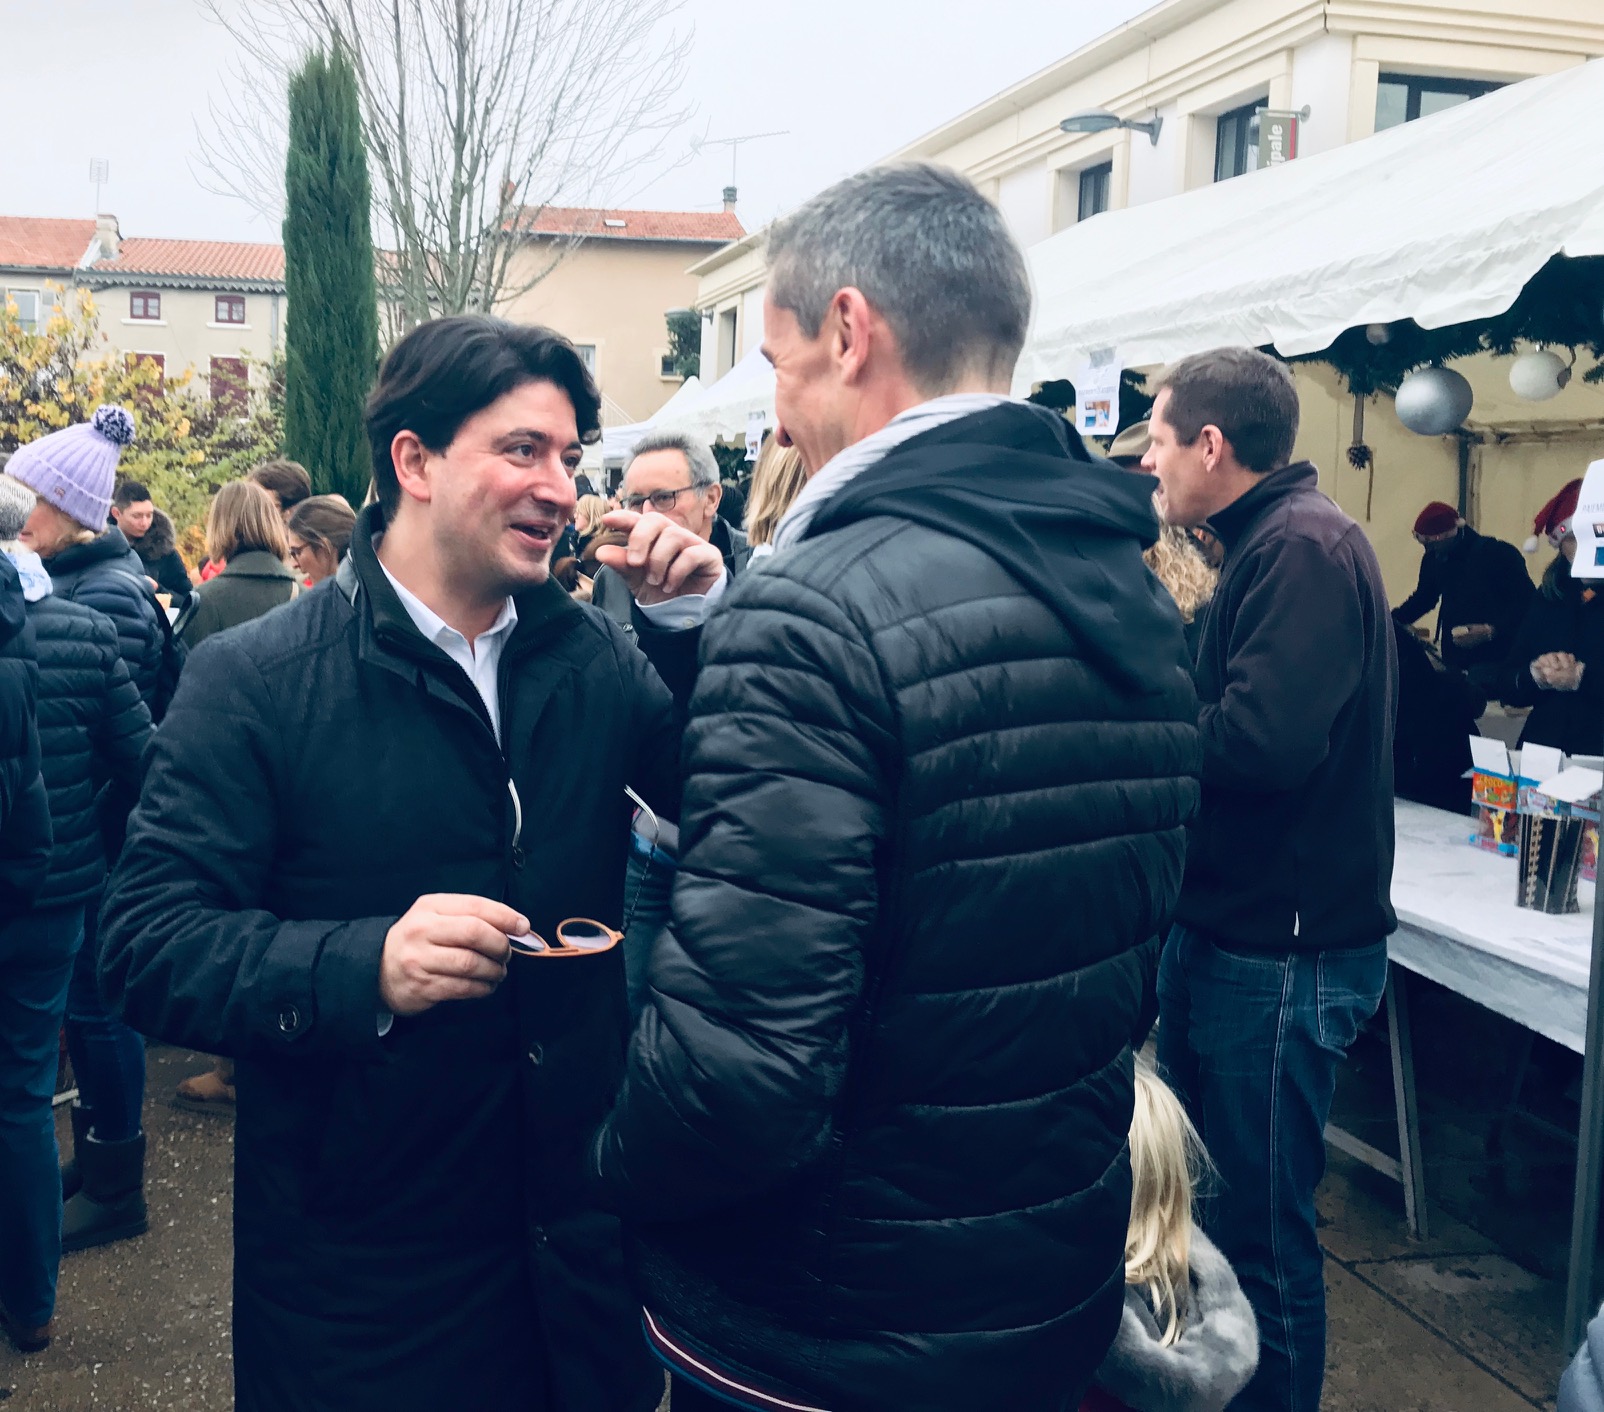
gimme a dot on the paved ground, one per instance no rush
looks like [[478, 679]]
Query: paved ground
[[1466, 1322]]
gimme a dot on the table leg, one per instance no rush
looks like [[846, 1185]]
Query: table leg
[[1412, 1170]]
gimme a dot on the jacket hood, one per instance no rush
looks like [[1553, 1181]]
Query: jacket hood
[[159, 540], [1017, 481], [1205, 1368]]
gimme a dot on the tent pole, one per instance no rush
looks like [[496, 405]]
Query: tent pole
[[1590, 1137]]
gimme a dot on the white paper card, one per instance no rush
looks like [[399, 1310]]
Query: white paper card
[[1489, 755], [1540, 762], [1573, 786], [1588, 525], [1097, 394]]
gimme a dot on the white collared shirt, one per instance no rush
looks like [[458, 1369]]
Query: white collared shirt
[[480, 658]]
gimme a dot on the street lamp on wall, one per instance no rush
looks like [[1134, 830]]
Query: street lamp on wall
[[1101, 120]]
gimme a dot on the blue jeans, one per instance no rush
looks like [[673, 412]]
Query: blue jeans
[[108, 1058], [36, 951], [1252, 1042], [648, 885]]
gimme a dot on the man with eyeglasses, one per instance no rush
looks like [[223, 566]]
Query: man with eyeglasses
[[674, 475]]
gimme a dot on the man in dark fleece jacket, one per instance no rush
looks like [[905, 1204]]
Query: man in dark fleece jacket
[[1279, 953]]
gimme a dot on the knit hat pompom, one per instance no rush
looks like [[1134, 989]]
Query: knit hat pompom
[[114, 423]]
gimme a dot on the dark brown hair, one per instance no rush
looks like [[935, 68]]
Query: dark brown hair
[[325, 520], [444, 371], [286, 479], [1248, 395]]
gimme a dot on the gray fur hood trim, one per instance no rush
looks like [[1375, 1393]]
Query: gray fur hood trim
[[1207, 1366]]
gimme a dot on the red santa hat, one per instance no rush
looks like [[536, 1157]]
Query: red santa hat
[[1436, 519], [1554, 519]]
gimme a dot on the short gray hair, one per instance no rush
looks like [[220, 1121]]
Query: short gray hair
[[704, 469], [928, 251], [16, 504]]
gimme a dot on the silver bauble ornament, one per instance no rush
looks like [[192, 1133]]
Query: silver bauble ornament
[[1539, 375], [1433, 401]]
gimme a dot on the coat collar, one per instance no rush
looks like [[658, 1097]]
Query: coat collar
[[256, 564], [542, 609], [1230, 525]]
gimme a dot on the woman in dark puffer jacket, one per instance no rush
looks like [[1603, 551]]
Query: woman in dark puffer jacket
[[92, 731], [72, 472]]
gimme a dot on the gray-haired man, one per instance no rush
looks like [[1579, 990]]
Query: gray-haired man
[[676, 476], [940, 757]]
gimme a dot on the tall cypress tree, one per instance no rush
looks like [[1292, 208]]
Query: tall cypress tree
[[332, 323]]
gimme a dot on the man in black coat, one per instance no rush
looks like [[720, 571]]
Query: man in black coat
[[1482, 585], [1279, 953], [24, 807], [149, 532], [352, 806], [941, 756]]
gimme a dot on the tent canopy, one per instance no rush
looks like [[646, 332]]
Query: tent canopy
[[721, 410], [618, 442], [1442, 220]]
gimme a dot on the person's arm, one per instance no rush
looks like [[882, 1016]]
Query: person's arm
[[1294, 659], [1426, 595], [1513, 594], [741, 1052], [189, 954], [173, 578], [121, 734]]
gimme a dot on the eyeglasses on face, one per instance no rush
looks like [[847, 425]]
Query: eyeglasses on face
[[661, 500]]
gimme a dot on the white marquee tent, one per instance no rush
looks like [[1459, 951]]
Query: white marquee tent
[[723, 407], [1441, 220]]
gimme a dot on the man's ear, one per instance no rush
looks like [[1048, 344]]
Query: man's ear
[[1214, 445], [411, 459], [852, 326], [714, 493]]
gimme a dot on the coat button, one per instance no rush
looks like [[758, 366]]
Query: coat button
[[517, 857], [289, 1019], [537, 1056], [538, 1234]]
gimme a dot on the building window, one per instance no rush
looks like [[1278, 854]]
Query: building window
[[144, 306], [1401, 98], [155, 361], [726, 340], [27, 305], [667, 367], [230, 309], [230, 381], [1094, 191], [1236, 140], [587, 355]]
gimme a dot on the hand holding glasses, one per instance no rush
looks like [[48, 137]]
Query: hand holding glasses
[[584, 936]]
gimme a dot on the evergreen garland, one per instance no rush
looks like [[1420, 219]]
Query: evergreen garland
[[332, 323]]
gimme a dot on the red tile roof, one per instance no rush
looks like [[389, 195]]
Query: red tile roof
[[710, 227], [43, 243], [197, 259]]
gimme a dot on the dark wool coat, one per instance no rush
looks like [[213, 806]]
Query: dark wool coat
[[412, 1228], [1478, 580], [93, 729], [24, 805], [872, 1136], [109, 577], [158, 551], [253, 583]]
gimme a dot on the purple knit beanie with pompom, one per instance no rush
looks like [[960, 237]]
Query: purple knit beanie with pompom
[[75, 468]]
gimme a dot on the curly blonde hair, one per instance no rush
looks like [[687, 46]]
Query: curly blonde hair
[[1179, 565]]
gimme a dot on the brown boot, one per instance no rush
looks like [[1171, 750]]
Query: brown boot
[[211, 1092]]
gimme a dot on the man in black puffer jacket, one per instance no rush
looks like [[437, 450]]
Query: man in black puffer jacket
[[93, 729], [871, 1141]]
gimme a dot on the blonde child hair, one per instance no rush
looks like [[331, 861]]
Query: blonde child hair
[[588, 512], [1167, 1161], [777, 480]]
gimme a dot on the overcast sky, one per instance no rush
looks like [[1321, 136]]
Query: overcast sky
[[849, 80]]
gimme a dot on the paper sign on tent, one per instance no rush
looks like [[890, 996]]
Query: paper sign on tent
[[1588, 525]]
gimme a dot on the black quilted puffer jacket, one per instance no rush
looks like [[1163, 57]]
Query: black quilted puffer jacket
[[92, 732], [872, 1138], [109, 577]]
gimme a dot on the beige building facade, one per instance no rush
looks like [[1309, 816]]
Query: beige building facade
[[607, 279], [1194, 72]]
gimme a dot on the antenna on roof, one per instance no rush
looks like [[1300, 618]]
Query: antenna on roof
[[734, 144], [100, 174]]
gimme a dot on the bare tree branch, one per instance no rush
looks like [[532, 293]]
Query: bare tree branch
[[477, 115]]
